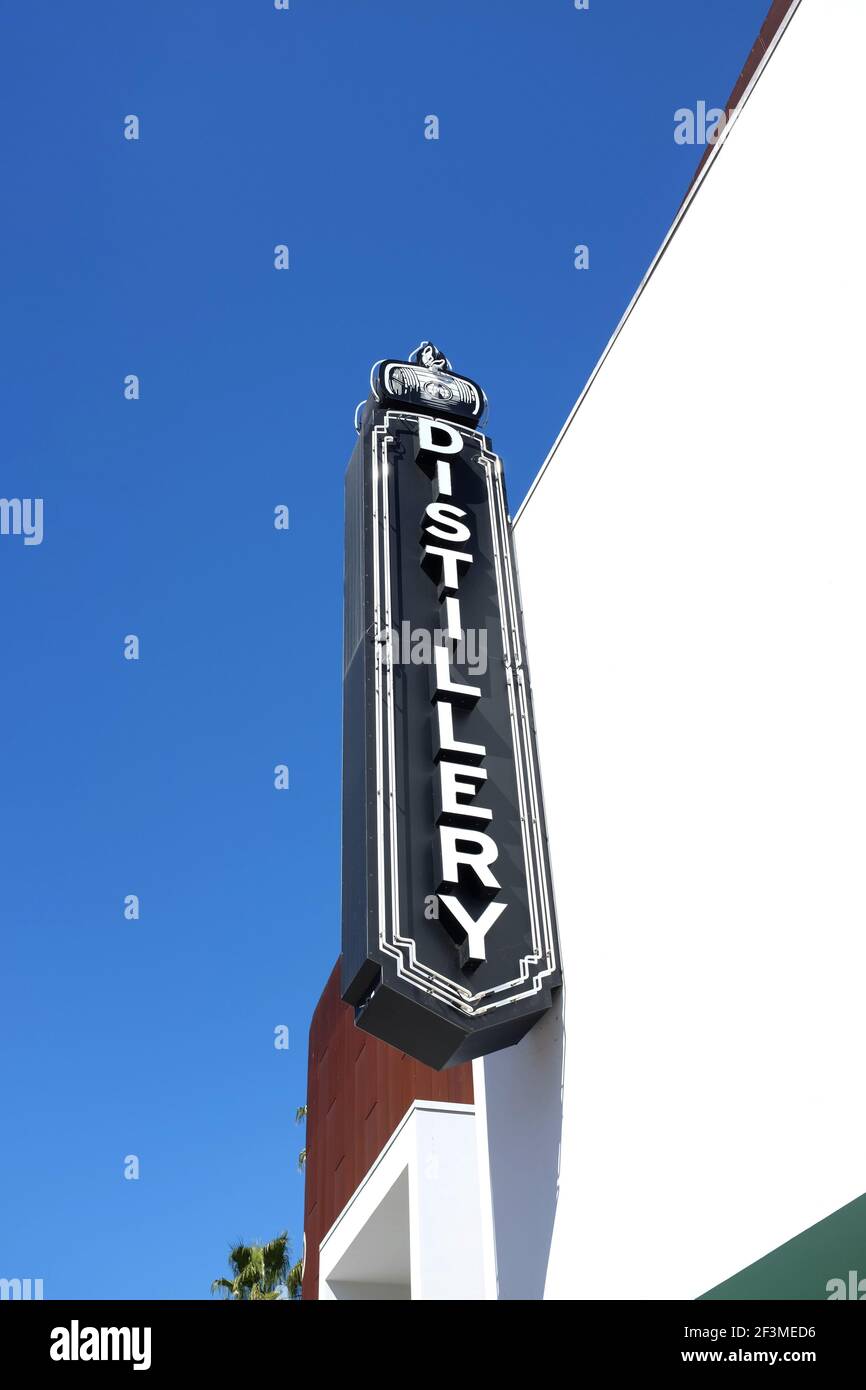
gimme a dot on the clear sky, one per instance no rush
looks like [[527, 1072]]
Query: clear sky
[[155, 777]]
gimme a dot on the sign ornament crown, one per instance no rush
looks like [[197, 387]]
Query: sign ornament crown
[[428, 355], [426, 381]]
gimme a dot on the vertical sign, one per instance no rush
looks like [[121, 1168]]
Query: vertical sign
[[450, 948]]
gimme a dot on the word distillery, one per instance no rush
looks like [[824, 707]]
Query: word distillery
[[460, 771]]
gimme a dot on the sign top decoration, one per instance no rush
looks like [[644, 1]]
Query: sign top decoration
[[426, 380], [450, 947]]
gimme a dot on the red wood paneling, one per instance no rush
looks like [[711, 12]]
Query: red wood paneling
[[358, 1090]]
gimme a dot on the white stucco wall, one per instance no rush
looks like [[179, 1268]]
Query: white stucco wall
[[413, 1228], [693, 566]]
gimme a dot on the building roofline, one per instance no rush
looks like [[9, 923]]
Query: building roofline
[[779, 17]]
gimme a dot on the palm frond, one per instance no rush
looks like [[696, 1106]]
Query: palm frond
[[261, 1271], [275, 1259], [240, 1257], [294, 1280]]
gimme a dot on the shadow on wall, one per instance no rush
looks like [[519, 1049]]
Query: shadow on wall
[[524, 1089]]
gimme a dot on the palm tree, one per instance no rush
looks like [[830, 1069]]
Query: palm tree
[[294, 1281], [260, 1271]]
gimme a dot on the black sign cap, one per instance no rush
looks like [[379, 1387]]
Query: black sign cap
[[425, 381]]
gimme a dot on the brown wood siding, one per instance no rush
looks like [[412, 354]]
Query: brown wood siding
[[358, 1090]]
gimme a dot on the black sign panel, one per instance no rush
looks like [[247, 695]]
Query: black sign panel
[[449, 937]]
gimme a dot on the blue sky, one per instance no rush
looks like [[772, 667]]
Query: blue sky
[[155, 777]]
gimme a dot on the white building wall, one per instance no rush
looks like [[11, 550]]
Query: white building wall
[[413, 1227], [693, 565]]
